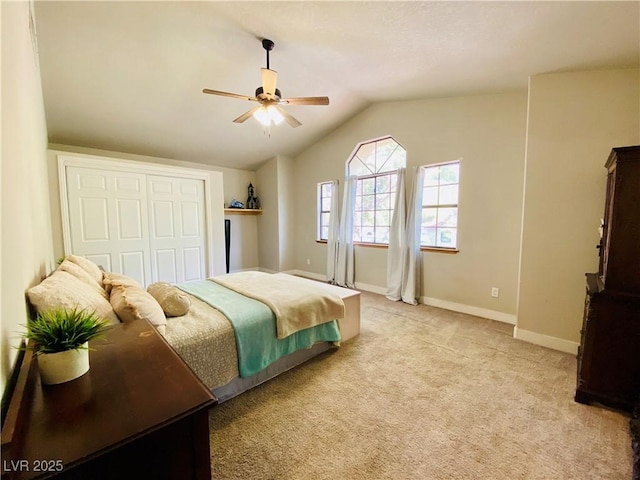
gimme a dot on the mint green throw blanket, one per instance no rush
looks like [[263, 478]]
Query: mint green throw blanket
[[255, 327]]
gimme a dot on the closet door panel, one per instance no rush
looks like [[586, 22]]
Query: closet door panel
[[108, 220], [177, 240]]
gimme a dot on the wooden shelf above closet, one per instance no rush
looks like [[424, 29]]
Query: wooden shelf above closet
[[243, 211]]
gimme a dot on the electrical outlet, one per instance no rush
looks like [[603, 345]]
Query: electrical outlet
[[495, 292], [308, 261]]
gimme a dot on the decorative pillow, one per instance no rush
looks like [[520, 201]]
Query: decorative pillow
[[174, 302], [112, 279], [133, 303], [81, 274], [88, 266], [62, 290]]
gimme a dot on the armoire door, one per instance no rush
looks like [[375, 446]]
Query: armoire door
[[177, 239], [108, 220]]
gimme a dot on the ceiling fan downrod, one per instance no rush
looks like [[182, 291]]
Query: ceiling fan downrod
[[268, 46]]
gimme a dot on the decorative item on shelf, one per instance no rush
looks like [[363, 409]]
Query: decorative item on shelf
[[235, 204], [60, 339], [253, 202]]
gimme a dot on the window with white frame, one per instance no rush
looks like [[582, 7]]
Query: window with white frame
[[440, 205], [324, 210], [375, 163]]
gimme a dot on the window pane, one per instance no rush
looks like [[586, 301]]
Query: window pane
[[398, 159], [367, 155], [449, 173], [431, 175], [383, 218], [447, 237], [449, 194], [447, 217], [324, 233], [326, 190], [367, 218], [383, 201], [382, 235], [368, 202], [324, 219], [430, 196], [357, 235], [367, 234], [358, 203], [429, 216], [428, 236], [356, 167], [357, 218], [383, 184], [368, 186], [326, 204]]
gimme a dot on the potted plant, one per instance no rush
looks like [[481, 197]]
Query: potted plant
[[60, 339]]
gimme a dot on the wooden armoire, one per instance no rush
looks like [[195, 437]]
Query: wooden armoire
[[609, 352]]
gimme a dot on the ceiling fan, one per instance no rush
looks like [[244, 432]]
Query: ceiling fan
[[270, 98]]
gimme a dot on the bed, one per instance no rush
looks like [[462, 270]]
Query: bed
[[234, 331]]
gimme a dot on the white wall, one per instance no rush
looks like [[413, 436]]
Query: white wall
[[26, 252], [488, 133], [574, 121]]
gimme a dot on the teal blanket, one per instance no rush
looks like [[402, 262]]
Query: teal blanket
[[255, 327]]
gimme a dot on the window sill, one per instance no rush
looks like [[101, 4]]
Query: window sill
[[423, 249], [439, 250]]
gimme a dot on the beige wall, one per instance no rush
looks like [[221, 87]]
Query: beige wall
[[26, 253], [286, 214], [268, 233], [574, 121], [244, 252], [488, 133]]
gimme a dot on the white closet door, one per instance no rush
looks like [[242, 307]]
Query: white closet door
[[108, 220], [177, 236]]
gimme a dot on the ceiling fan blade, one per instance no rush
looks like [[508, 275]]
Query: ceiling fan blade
[[269, 78], [287, 116], [306, 101], [246, 115], [227, 94]]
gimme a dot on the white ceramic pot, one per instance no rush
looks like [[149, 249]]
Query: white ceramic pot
[[64, 366]]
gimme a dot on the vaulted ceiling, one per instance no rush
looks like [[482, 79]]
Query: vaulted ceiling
[[128, 76]]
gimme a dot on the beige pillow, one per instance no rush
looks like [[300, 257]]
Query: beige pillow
[[174, 302], [133, 303], [112, 279], [88, 266], [62, 290], [81, 274]]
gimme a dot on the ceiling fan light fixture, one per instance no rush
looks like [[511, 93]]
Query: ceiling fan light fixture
[[267, 115]]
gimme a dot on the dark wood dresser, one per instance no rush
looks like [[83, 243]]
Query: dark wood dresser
[[139, 412], [609, 352]]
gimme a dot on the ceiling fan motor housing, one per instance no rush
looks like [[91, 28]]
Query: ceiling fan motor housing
[[260, 94]]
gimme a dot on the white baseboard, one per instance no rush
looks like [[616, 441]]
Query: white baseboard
[[554, 343], [470, 310]]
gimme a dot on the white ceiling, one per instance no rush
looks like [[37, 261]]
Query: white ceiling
[[128, 76]]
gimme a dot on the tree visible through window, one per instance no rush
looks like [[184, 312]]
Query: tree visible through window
[[440, 205], [376, 164]]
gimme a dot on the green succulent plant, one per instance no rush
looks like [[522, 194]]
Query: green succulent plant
[[59, 330]]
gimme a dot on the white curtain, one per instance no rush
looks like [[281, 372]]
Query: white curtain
[[397, 241], [412, 264], [334, 230], [344, 272]]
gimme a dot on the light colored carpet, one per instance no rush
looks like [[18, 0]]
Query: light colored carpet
[[422, 393]]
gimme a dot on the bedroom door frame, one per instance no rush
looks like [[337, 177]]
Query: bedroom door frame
[[213, 195]]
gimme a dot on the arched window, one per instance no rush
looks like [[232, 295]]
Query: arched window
[[375, 163]]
